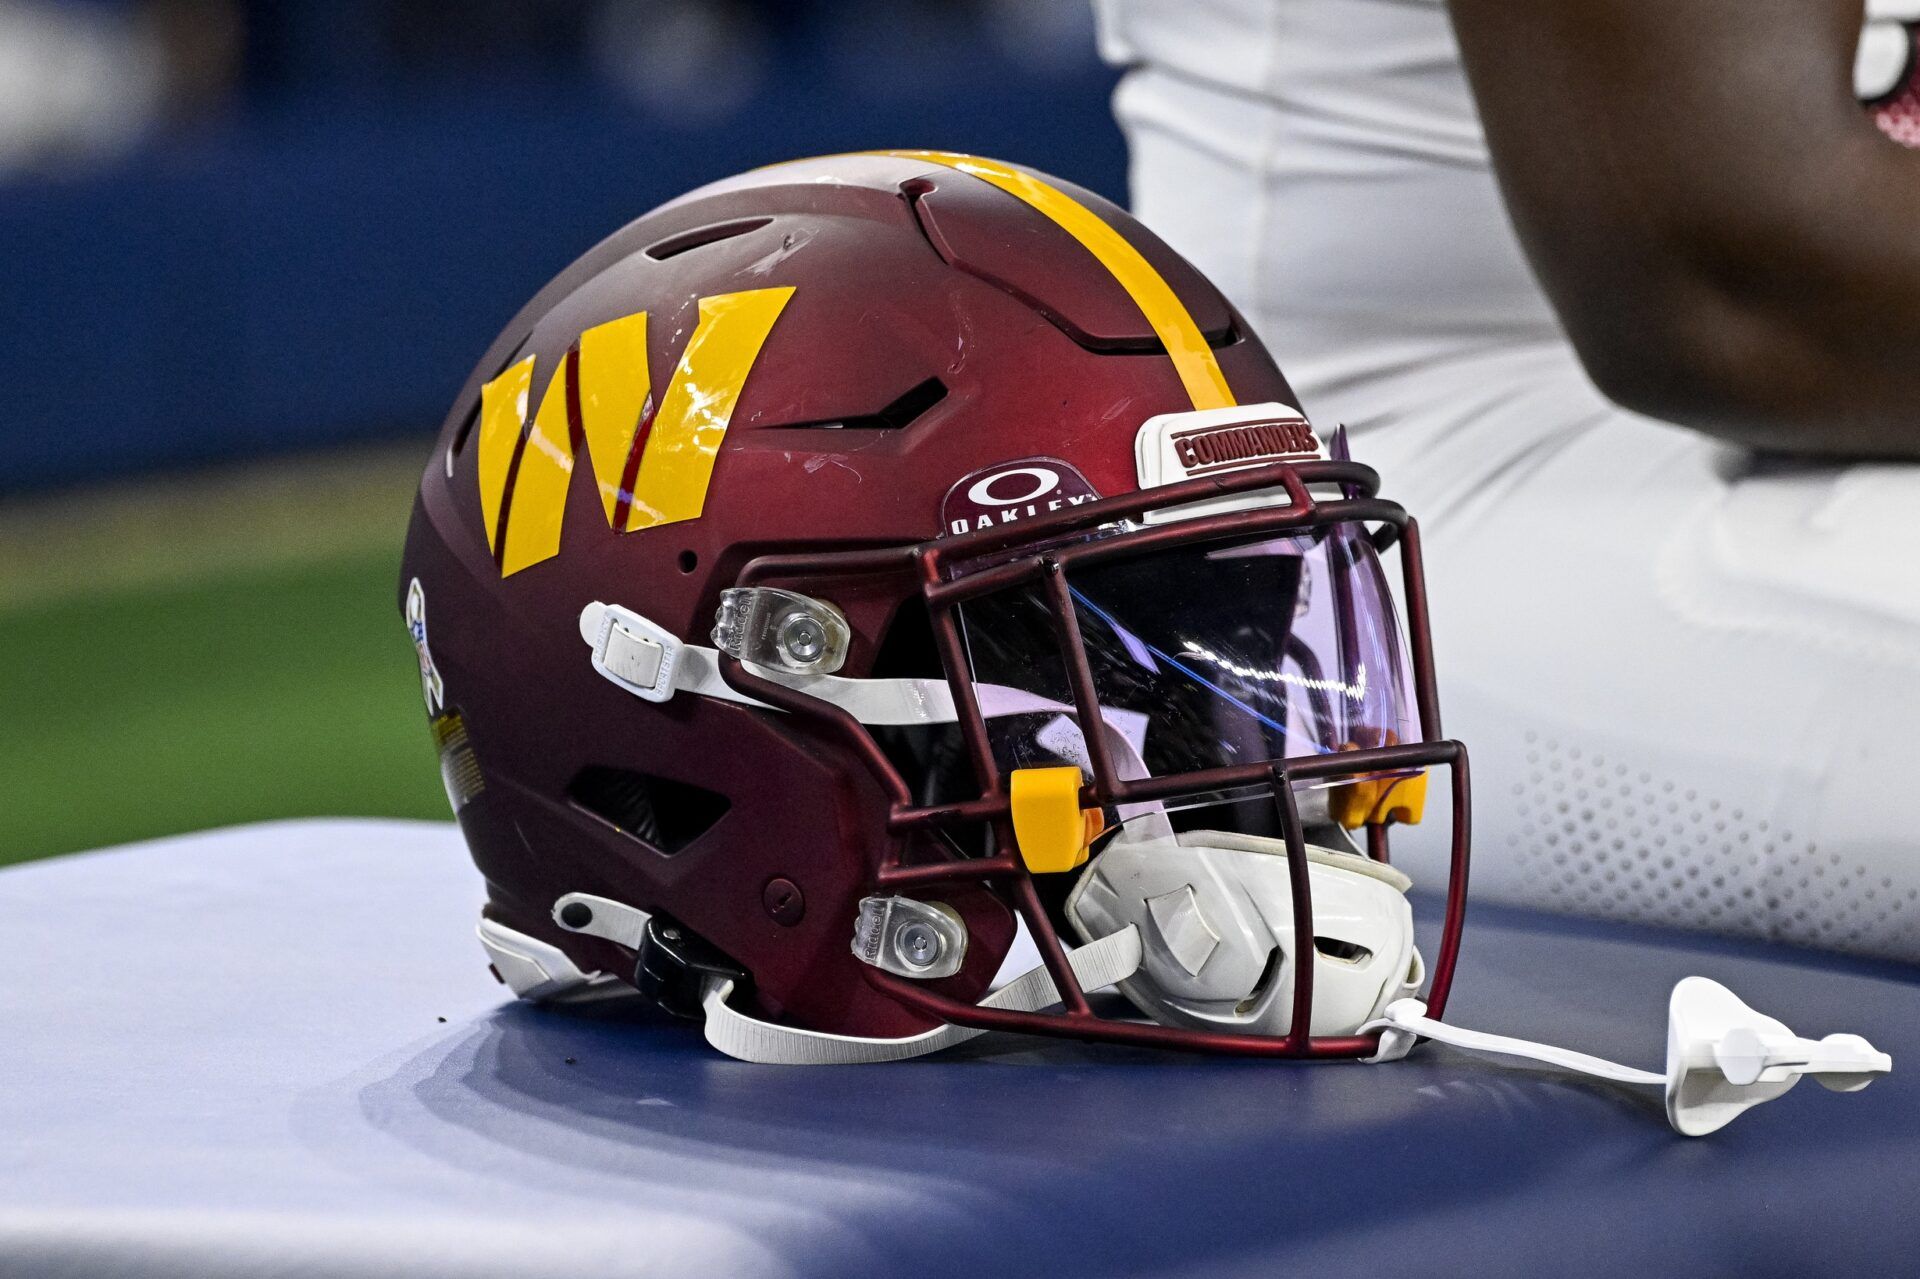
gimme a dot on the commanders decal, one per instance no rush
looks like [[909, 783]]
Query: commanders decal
[[1207, 449], [1183, 446], [650, 468]]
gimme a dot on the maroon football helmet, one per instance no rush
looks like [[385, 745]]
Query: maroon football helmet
[[859, 573]]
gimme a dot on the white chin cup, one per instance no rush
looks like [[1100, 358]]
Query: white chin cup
[[1215, 914]]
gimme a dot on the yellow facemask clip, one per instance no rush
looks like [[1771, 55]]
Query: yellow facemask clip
[[1377, 801], [1053, 831]]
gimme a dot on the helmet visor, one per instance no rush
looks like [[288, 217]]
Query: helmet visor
[[1203, 656]]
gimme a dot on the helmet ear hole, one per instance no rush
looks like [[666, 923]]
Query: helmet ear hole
[[666, 814], [689, 561]]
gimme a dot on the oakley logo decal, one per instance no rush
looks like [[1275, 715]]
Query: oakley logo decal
[[1012, 491], [651, 466], [993, 490]]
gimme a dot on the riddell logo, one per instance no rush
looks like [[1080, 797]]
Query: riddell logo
[[1203, 450], [1013, 491]]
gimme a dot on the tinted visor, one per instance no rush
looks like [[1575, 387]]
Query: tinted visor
[[1203, 656]]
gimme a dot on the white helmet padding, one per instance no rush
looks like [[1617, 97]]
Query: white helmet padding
[[1215, 914]]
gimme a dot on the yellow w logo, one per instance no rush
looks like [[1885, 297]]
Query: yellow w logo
[[650, 470]]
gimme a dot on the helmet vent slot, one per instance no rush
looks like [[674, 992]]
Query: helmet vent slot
[[1215, 339], [701, 236], [669, 815], [460, 437], [1345, 951], [903, 412], [1259, 991]]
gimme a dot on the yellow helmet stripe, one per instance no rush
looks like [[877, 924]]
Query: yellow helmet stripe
[[1192, 358], [614, 384], [677, 466], [532, 527], [503, 415]]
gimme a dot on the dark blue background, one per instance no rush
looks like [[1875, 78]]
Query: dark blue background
[[325, 262]]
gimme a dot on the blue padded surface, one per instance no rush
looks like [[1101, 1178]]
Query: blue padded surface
[[221, 1055]]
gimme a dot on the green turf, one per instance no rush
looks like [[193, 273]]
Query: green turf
[[250, 693]]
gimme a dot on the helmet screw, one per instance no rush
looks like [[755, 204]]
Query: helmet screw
[[576, 915], [784, 904], [803, 638], [919, 944]]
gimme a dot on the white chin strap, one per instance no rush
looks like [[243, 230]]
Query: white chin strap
[[1102, 963], [651, 662], [1722, 1057]]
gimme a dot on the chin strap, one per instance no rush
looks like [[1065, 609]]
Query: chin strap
[[1407, 1020], [1723, 1058], [653, 663], [1097, 964]]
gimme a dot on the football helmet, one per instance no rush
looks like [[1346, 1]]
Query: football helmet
[[851, 566], [886, 597]]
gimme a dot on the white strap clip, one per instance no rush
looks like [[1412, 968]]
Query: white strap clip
[[638, 655], [602, 917]]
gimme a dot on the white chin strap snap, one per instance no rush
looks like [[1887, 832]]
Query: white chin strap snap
[[1722, 1056]]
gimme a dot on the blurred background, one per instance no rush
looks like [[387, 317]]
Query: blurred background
[[249, 249]]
